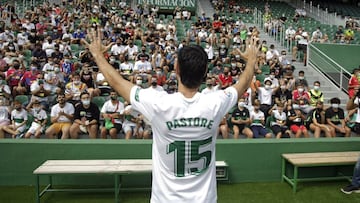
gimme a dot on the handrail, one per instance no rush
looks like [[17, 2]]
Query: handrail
[[327, 57]]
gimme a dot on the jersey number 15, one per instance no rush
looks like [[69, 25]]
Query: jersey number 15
[[187, 157]]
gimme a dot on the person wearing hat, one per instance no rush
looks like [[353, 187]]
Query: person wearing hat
[[40, 119]]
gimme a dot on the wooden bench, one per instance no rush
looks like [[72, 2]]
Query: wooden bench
[[307, 160], [116, 168]]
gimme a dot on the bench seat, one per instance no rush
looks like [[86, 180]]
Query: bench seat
[[117, 168], [318, 159]]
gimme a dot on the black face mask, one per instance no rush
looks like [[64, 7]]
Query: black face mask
[[154, 83], [113, 97], [16, 66]]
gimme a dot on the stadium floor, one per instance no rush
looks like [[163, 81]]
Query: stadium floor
[[274, 192]]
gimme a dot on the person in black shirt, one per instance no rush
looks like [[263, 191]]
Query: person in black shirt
[[316, 122], [296, 121], [86, 118], [334, 116], [240, 118], [283, 94]]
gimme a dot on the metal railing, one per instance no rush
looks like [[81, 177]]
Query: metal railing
[[329, 68], [314, 11], [326, 66]]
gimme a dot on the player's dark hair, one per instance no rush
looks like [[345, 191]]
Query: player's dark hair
[[192, 62]]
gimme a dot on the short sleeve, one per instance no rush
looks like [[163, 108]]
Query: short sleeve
[[228, 99], [143, 101]]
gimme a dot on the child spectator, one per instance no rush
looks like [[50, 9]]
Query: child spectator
[[40, 119], [278, 123], [257, 120], [19, 118], [296, 121]]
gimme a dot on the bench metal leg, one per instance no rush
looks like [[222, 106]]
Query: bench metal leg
[[295, 178], [50, 181], [117, 187], [283, 163], [37, 188]]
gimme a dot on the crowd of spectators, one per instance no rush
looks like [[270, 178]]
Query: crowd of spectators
[[49, 81]]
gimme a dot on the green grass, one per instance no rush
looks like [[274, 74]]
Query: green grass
[[273, 192]]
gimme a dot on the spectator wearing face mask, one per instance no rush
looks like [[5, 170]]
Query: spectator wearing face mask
[[296, 120], [315, 121], [265, 96], [225, 78], [29, 76], [48, 46], [40, 119], [335, 117], [301, 80], [257, 122], [301, 97], [316, 94], [209, 86], [40, 90], [86, 117], [13, 76], [154, 85], [112, 112], [143, 69], [74, 88], [5, 91], [240, 119], [18, 121], [274, 81]]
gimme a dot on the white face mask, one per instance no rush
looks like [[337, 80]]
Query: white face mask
[[241, 104], [85, 102], [272, 76], [335, 105], [300, 89], [138, 82], [316, 87], [283, 87], [267, 87], [301, 77]]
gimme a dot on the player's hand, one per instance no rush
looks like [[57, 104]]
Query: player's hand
[[96, 47], [252, 49]]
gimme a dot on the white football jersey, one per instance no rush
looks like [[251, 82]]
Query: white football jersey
[[183, 150]]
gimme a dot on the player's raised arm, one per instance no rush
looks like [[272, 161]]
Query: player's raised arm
[[97, 49], [250, 56]]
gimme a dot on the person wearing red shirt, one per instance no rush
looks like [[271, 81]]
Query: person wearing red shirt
[[29, 76], [302, 98], [216, 25], [13, 76], [354, 83], [225, 78]]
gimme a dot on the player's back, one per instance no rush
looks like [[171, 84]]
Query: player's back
[[184, 134]]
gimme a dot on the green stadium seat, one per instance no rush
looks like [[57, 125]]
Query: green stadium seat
[[23, 99], [99, 101]]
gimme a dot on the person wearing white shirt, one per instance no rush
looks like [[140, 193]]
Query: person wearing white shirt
[[132, 50], [117, 48], [290, 33], [202, 35], [272, 53], [209, 87], [62, 115], [28, 25], [48, 46], [22, 38], [112, 111], [210, 51], [143, 68]]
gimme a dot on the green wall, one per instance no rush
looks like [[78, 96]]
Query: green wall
[[249, 160], [345, 55]]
